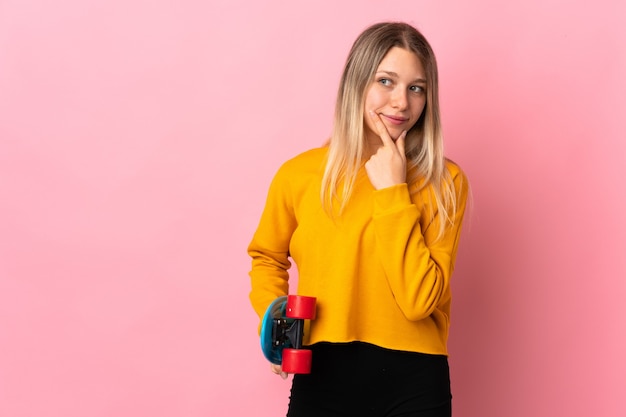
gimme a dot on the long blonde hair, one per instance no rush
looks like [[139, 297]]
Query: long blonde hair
[[426, 163]]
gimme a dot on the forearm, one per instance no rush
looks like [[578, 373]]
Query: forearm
[[417, 264], [269, 277]]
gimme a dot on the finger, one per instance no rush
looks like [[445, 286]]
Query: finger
[[400, 142], [381, 129], [277, 369]]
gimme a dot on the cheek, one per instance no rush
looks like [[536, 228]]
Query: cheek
[[373, 99], [372, 102], [367, 121], [420, 106]]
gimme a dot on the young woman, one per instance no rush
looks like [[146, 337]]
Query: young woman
[[372, 221]]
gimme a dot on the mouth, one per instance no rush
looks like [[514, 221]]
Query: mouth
[[396, 120]]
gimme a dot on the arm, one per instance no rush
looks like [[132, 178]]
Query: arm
[[269, 248], [417, 266]]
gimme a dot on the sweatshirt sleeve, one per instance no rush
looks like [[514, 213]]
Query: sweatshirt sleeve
[[417, 265], [269, 248]]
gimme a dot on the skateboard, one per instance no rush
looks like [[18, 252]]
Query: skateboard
[[282, 329]]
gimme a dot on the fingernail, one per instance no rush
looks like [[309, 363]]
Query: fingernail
[[283, 375]]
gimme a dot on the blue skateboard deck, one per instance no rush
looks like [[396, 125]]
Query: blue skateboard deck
[[282, 332]]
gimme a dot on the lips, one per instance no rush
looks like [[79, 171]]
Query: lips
[[396, 120]]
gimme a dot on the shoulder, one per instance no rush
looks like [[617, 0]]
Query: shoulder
[[459, 179], [456, 172], [313, 160], [453, 168], [300, 170]]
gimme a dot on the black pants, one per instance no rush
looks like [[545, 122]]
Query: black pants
[[362, 380]]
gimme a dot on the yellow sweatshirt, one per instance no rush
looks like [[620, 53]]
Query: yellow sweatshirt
[[377, 272]]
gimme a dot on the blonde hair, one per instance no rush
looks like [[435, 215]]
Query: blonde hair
[[424, 141]]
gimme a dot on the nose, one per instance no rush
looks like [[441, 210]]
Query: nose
[[399, 98]]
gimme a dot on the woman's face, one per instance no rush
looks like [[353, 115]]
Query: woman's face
[[397, 94]]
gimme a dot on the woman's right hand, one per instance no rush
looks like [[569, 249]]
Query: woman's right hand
[[278, 370], [387, 166]]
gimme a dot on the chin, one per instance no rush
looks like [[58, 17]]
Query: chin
[[395, 135]]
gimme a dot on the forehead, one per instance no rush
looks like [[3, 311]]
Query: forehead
[[403, 62]]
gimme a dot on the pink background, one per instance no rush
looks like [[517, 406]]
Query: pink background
[[137, 142]]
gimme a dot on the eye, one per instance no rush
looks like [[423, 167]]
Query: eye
[[385, 81], [416, 89]]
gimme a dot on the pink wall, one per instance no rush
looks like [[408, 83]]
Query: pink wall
[[137, 141]]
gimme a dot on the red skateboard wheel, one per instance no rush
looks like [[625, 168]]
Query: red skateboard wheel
[[297, 361], [300, 307]]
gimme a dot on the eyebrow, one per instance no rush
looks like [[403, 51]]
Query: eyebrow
[[393, 74]]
